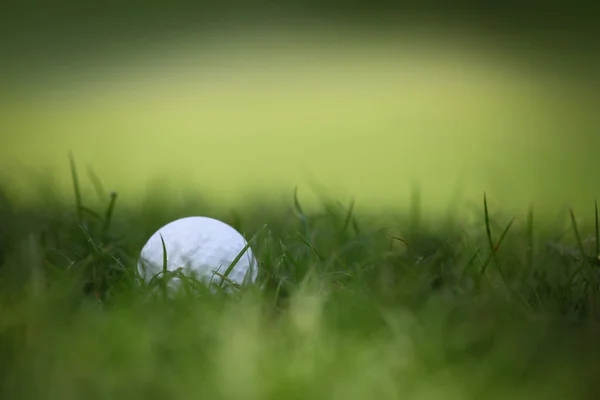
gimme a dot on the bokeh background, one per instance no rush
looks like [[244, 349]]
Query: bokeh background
[[241, 101]]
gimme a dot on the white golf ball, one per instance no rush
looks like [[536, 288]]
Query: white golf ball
[[200, 246]]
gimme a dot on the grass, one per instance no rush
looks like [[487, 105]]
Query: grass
[[388, 103], [352, 307]]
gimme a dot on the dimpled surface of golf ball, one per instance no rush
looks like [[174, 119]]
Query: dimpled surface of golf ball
[[200, 246]]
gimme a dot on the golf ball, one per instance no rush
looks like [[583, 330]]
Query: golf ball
[[200, 246]]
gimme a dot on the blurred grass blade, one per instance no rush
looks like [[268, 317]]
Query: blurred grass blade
[[300, 211], [530, 240], [588, 266], [89, 240], [92, 213], [597, 255], [495, 249], [97, 183], [76, 188], [109, 212], [469, 263], [578, 240], [349, 215], [415, 209], [488, 229], [308, 244]]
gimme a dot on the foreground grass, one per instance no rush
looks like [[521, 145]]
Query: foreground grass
[[353, 307]]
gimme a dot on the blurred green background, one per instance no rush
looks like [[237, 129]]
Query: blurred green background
[[241, 101]]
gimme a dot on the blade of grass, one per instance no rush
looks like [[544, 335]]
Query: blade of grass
[[76, 188], [109, 213], [89, 240], [349, 215], [488, 229], [398, 239], [92, 213], [226, 279], [288, 256], [492, 255], [580, 246], [310, 246], [355, 226], [415, 209], [493, 248], [469, 263], [597, 232], [97, 183], [591, 276], [164, 267], [99, 250], [530, 240], [96, 252], [241, 253], [299, 211]]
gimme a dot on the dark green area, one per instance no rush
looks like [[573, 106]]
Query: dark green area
[[512, 14], [59, 31]]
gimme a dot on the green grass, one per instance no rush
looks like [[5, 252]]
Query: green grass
[[255, 111], [354, 306]]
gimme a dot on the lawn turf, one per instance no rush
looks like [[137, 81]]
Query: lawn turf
[[354, 306]]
